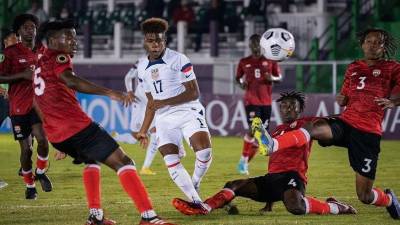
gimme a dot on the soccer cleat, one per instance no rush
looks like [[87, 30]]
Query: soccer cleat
[[343, 207], [394, 208], [31, 193], [92, 220], [154, 220], [146, 171], [263, 138], [3, 184], [190, 208], [44, 182], [243, 168]]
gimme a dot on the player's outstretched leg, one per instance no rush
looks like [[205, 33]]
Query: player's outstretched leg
[[298, 205], [242, 166], [133, 186], [42, 157], [264, 139]]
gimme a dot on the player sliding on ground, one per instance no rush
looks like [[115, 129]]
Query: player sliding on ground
[[286, 178], [71, 131], [370, 86]]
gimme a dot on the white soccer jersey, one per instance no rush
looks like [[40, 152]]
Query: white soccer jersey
[[163, 78], [139, 90]]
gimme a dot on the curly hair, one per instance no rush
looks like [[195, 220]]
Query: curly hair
[[23, 18], [390, 43], [297, 95], [49, 29], [154, 25]]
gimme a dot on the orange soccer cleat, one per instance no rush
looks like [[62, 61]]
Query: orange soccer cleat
[[343, 207], [190, 208]]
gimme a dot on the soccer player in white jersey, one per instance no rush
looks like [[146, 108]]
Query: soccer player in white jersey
[[173, 101]]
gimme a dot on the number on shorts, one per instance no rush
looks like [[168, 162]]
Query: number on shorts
[[292, 182], [39, 82], [367, 166]]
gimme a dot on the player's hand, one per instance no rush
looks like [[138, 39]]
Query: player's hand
[[59, 155], [385, 103], [157, 104], [143, 139], [120, 97], [28, 73], [342, 99], [131, 97]]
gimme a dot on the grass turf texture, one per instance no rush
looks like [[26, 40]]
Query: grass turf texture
[[329, 175]]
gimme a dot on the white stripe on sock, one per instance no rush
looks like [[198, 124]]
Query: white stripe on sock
[[375, 197], [127, 167]]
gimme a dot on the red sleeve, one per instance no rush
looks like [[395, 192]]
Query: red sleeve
[[5, 62], [276, 70], [396, 79], [346, 82], [239, 70], [61, 66]]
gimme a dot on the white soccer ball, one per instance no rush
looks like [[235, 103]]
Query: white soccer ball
[[277, 44]]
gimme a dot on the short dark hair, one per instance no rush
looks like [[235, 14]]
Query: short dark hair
[[49, 29], [23, 18], [297, 95], [5, 32], [255, 36], [154, 25], [390, 43]]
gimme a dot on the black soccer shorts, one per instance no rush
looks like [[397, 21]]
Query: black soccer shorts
[[90, 145], [270, 187], [363, 147], [262, 111], [22, 124]]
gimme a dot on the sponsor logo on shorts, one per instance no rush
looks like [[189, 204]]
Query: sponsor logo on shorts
[[17, 129], [252, 114]]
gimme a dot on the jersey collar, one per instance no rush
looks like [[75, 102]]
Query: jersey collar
[[158, 61]]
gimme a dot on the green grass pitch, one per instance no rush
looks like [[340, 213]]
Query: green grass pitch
[[329, 175]]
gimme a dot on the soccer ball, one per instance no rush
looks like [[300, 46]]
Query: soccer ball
[[277, 44]]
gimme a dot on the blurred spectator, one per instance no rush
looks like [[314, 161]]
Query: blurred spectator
[[256, 8], [36, 9], [172, 6], [183, 12], [64, 14], [154, 8]]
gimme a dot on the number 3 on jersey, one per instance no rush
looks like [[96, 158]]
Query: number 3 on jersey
[[39, 82], [361, 84]]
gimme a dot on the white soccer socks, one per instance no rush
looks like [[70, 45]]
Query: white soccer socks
[[202, 163]]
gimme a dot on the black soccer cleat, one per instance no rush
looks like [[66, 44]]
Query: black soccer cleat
[[394, 208], [31, 193], [92, 220], [44, 182], [231, 209]]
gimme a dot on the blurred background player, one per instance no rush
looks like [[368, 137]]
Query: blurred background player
[[72, 132], [368, 89], [256, 75], [9, 38], [286, 178], [18, 63], [171, 87]]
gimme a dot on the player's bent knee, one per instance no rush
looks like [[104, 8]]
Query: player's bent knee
[[296, 209]]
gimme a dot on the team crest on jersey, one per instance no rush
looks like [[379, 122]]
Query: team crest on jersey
[[155, 74], [61, 58], [2, 58], [376, 72], [265, 63], [293, 125]]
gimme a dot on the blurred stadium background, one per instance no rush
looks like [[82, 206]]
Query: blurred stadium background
[[214, 34]]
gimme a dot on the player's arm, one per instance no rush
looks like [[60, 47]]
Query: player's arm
[[132, 74], [275, 76], [6, 79], [191, 93], [343, 98], [239, 76], [84, 86], [141, 136]]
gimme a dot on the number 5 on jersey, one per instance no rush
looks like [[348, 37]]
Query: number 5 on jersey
[[39, 82]]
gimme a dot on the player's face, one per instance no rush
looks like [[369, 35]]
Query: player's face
[[27, 31], [255, 46], [154, 44], [373, 46], [11, 39], [66, 41], [289, 110]]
